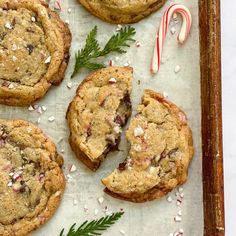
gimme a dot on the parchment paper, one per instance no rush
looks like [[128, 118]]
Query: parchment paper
[[152, 218]]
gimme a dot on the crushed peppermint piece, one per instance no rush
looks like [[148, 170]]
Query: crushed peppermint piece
[[10, 86], [126, 64], [69, 10], [101, 200], [60, 140], [8, 25], [138, 131], [48, 60], [67, 22], [33, 19], [11, 174], [181, 230], [180, 189], [73, 168], [69, 85], [177, 194], [122, 232], [119, 27], [165, 95], [44, 108], [178, 218], [111, 62], [17, 175], [172, 30], [95, 211], [75, 202], [57, 5], [58, 193], [30, 108], [181, 195], [112, 80], [39, 110], [62, 150], [177, 68], [117, 58], [39, 120], [51, 118], [137, 148], [10, 184], [117, 129], [169, 199], [180, 213], [138, 44], [85, 208]]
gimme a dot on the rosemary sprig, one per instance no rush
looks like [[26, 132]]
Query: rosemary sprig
[[93, 50], [94, 227]]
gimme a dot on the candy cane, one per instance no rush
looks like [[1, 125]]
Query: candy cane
[[186, 26]]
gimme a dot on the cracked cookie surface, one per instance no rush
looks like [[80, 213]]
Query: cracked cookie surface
[[161, 149], [31, 179], [97, 113], [122, 11], [34, 50]]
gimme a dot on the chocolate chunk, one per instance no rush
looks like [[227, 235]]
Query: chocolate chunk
[[89, 131], [30, 48], [127, 101], [122, 166]]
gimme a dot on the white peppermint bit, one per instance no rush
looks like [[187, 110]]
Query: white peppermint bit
[[172, 30], [14, 58], [112, 80], [178, 219], [8, 25], [138, 131], [69, 85], [177, 68], [165, 95], [30, 108], [73, 168], [48, 60], [67, 22], [60, 139], [39, 120], [75, 202], [51, 118], [180, 189], [119, 27], [95, 211], [101, 200], [62, 150], [69, 10], [181, 195], [122, 232], [117, 129], [179, 213], [117, 58], [126, 64], [33, 19], [181, 230], [138, 44], [44, 108], [10, 184], [10, 86], [169, 199]]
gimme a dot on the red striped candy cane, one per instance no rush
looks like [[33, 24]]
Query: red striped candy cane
[[161, 34]]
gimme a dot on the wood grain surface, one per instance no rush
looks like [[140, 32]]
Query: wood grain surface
[[213, 185]]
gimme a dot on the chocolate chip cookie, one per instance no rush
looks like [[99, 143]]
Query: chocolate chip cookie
[[122, 11], [161, 149], [31, 178], [97, 113], [34, 50]]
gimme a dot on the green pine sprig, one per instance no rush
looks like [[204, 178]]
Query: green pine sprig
[[94, 227], [93, 50]]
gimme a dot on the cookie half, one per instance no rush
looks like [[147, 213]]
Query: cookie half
[[31, 178], [161, 149], [122, 11], [34, 50], [97, 113]]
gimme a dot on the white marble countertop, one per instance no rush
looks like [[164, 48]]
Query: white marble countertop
[[228, 19]]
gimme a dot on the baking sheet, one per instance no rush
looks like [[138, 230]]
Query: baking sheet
[[84, 187]]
